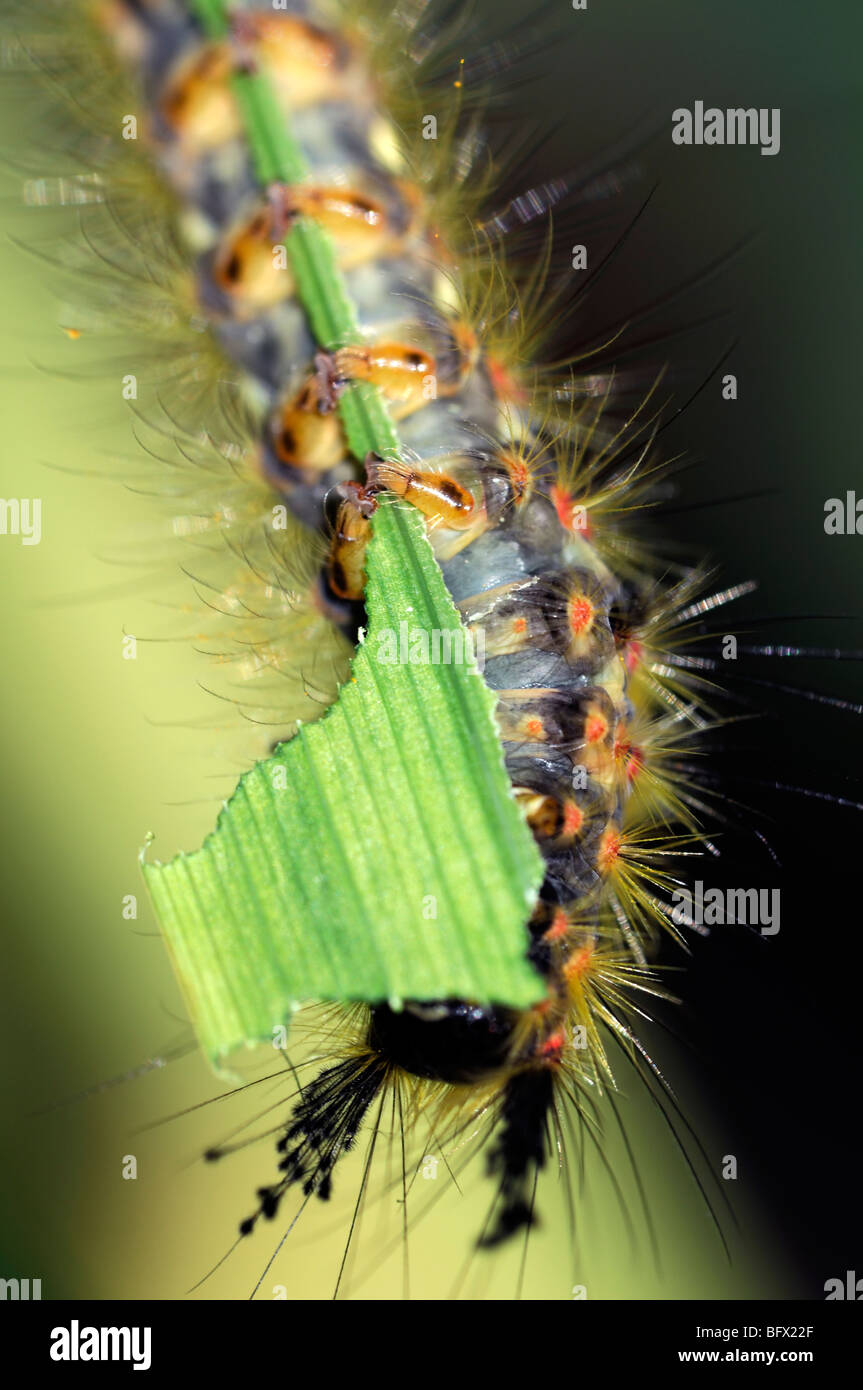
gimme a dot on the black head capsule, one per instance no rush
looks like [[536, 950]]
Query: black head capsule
[[447, 1040]]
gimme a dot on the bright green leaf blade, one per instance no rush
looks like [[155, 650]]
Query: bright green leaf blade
[[379, 854]]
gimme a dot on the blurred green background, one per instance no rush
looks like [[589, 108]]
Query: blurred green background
[[97, 750]]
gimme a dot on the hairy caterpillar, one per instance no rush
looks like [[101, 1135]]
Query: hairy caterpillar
[[556, 610]]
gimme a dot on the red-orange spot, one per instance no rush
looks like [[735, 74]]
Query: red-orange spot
[[503, 382], [559, 926], [634, 653], [572, 515], [553, 1045], [634, 763], [535, 728], [519, 624], [465, 339], [609, 850], [562, 503], [573, 818], [581, 614], [578, 962], [595, 728], [519, 475], [627, 755]]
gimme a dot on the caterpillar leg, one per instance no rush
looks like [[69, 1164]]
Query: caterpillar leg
[[346, 563], [407, 376], [437, 496]]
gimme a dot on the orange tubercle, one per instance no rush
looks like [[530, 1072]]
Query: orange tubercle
[[571, 514], [559, 926], [634, 763], [553, 1045], [504, 383], [633, 654], [578, 962], [595, 728], [581, 613], [609, 850]]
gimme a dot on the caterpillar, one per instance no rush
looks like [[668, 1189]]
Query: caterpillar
[[520, 475]]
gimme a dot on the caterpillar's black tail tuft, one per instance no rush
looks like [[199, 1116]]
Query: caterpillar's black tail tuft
[[519, 1152], [323, 1126]]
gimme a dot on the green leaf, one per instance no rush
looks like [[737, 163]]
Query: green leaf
[[379, 855]]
